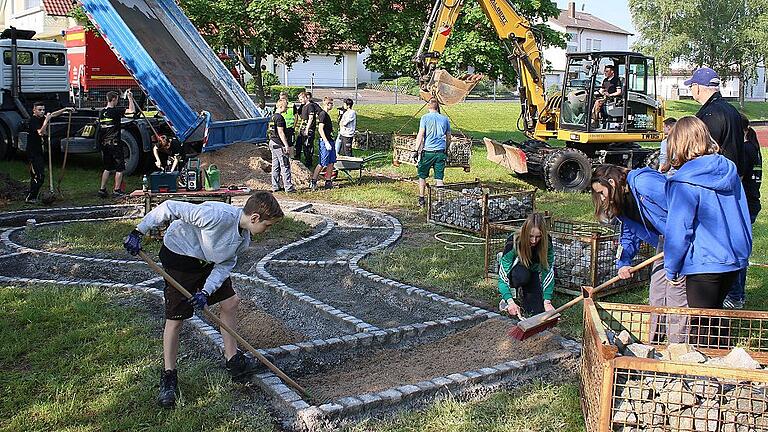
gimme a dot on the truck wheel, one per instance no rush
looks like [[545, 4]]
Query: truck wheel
[[567, 170], [131, 152], [652, 160]]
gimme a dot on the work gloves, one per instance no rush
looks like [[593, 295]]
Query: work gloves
[[132, 243], [199, 300], [328, 146]]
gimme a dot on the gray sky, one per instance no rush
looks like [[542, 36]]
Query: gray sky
[[615, 12]]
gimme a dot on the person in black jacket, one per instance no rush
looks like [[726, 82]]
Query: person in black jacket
[[726, 127], [722, 119]]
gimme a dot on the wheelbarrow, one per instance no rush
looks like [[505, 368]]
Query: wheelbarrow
[[347, 165]]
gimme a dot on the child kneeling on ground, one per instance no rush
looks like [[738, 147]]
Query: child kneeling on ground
[[526, 270], [200, 249]]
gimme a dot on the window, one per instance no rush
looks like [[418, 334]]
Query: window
[[571, 48], [50, 59], [22, 57], [597, 45], [588, 45], [637, 75], [29, 4]]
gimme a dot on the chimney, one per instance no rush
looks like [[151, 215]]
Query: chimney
[[572, 9]]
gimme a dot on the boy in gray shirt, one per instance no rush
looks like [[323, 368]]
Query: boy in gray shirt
[[200, 249]]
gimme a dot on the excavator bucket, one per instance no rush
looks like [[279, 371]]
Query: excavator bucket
[[510, 157], [449, 90]]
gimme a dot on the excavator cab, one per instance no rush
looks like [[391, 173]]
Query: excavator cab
[[618, 117]]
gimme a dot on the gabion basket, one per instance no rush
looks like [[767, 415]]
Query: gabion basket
[[627, 393], [471, 206], [458, 156], [585, 254]]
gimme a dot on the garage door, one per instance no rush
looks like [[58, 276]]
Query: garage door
[[327, 72]]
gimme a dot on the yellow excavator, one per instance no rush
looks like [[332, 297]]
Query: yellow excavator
[[597, 125]]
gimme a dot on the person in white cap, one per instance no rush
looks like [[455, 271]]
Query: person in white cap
[[726, 127]]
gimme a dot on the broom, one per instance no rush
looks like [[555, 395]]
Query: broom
[[225, 327], [545, 320]]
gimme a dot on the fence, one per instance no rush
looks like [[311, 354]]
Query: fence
[[585, 254], [668, 391]]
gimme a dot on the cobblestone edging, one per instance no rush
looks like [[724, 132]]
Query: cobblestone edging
[[296, 412], [5, 240], [19, 217]]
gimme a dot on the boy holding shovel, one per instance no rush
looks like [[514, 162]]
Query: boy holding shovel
[[200, 249]]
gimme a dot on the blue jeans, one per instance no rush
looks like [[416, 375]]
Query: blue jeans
[[738, 290]]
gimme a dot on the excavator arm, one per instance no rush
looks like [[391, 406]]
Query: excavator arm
[[517, 37]]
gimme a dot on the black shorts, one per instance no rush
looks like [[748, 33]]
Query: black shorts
[[192, 276], [112, 156]]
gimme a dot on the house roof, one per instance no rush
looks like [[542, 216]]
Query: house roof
[[57, 7], [585, 21]]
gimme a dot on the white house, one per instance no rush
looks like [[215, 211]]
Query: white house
[[671, 87], [46, 17], [342, 69], [586, 32]]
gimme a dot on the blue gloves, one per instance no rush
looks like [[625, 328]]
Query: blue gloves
[[132, 243], [199, 300]]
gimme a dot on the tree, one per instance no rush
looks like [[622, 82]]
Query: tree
[[263, 27], [473, 43], [730, 36]]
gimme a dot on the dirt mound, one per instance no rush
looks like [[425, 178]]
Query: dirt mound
[[250, 165], [11, 189]]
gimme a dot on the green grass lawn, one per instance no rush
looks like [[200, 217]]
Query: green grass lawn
[[88, 360]]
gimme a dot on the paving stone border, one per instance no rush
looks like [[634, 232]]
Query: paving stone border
[[296, 412]]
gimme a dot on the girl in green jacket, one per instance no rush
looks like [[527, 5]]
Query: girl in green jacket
[[527, 263]]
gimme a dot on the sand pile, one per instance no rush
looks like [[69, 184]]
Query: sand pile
[[250, 165]]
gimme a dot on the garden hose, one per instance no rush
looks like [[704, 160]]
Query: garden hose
[[458, 245]]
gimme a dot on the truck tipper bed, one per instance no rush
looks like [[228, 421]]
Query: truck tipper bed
[[172, 63]]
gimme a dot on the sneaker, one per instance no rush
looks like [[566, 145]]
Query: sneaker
[[328, 185], [103, 193], [117, 193], [241, 368], [729, 303], [30, 200], [168, 386], [422, 202], [313, 185]]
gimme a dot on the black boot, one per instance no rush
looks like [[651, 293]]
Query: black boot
[[241, 368], [168, 385]]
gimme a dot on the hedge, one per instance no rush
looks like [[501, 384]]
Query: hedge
[[293, 91]]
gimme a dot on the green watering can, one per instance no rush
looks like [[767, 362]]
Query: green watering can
[[212, 178]]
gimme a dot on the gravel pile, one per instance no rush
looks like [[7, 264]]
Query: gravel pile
[[251, 165]]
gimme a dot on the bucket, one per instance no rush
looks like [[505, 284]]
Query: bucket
[[212, 178]]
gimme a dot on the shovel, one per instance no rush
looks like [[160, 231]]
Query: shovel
[[225, 327]]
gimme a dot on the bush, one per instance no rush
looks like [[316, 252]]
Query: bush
[[293, 91], [268, 78], [551, 90], [405, 85]]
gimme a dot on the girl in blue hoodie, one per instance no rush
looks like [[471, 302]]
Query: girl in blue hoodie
[[638, 200], [708, 232]]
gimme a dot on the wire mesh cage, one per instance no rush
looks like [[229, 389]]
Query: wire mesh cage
[[471, 206], [725, 389], [585, 254], [367, 140], [458, 155]]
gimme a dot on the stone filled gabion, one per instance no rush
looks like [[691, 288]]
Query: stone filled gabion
[[687, 403], [367, 140], [404, 150], [465, 208]]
